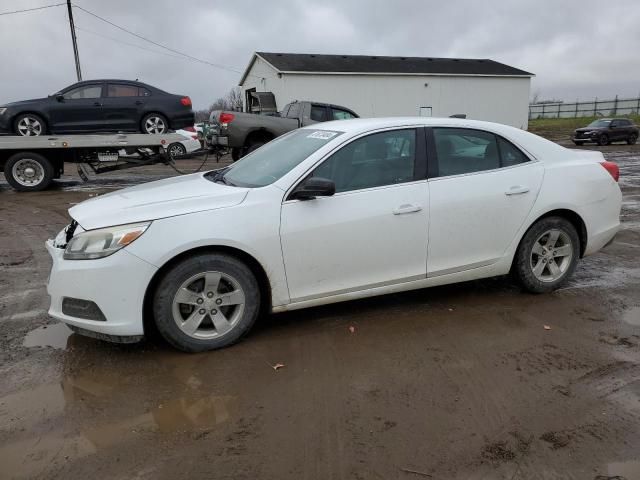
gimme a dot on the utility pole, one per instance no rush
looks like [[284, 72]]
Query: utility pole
[[76, 56]]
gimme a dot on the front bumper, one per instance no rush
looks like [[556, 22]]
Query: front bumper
[[116, 284]]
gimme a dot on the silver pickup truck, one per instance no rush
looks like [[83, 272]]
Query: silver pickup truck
[[244, 132]]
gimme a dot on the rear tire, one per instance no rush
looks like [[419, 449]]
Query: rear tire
[[154, 123], [28, 172], [547, 255], [603, 140], [176, 149], [206, 302], [578, 143], [254, 146], [633, 138], [236, 154]]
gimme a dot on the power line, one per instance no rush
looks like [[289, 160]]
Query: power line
[[32, 9], [224, 67], [129, 44]]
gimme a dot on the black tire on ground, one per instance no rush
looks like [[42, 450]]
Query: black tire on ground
[[32, 121], [176, 149], [633, 138], [578, 142], [254, 146], [603, 140], [236, 153], [522, 263], [28, 172], [159, 123], [180, 273]]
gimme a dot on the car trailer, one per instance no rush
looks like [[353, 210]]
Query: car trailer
[[30, 163]]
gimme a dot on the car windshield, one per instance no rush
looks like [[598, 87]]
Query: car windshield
[[273, 160], [600, 123]]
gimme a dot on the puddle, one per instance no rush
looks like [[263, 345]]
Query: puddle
[[632, 317], [55, 336], [624, 470]]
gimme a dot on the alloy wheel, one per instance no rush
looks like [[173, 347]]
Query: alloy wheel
[[551, 255], [208, 305], [28, 172], [29, 127], [155, 125]]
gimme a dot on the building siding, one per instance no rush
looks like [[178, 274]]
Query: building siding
[[498, 99]]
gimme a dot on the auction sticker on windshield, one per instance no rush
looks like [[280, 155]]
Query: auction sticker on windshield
[[323, 134]]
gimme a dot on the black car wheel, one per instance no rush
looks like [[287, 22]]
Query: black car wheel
[[176, 149], [603, 140], [633, 138], [29, 125], [578, 142], [154, 123], [28, 172]]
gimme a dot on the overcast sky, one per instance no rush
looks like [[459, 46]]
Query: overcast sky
[[582, 48]]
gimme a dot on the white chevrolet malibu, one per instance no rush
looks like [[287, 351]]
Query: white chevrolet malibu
[[331, 212]]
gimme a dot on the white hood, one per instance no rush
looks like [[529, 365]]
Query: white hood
[[154, 200]]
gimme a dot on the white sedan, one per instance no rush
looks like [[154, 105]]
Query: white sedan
[[328, 213], [188, 145]]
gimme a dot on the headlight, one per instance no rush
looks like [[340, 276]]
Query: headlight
[[2, 110], [103, 242]]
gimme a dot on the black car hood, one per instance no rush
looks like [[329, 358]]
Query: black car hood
[[22, 103]]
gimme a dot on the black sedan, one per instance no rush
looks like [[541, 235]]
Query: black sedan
[[99, 106], [607, 130]]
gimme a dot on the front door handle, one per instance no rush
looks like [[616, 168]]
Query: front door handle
[[517, 190], [138, 102], [407, 208], [97, 104]]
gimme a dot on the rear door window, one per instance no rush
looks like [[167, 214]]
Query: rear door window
[[122, 90], [319, 113], [339, 114], [462, 151]]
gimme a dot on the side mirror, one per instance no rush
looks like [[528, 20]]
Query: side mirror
[[314, 187], [59, 97]]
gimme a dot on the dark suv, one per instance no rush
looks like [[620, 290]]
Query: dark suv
[[607, 130], [99, 106]]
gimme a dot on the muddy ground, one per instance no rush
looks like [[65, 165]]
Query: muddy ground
[[457, 382]]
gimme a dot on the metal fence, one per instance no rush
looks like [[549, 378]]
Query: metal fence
[[594, 108]]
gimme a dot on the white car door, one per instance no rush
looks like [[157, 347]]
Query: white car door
[[373, 231], [482, 188]]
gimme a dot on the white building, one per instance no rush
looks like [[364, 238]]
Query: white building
[[481, 89]]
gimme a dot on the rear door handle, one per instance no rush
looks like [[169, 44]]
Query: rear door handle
[[97, 104], [407, 208], [517, 190], [138, 102]]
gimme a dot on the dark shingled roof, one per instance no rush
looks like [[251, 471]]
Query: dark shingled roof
[[301, 62]]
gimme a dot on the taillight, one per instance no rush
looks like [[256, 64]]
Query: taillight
[[612, 168], [195, 137], [189, 129], [226, 117], [186, 101]]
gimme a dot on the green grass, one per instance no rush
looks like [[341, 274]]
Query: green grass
[[554, 128]]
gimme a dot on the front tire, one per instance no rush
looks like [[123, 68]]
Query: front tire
[[547, 255], [603, 140], [29, 125], [28, 172], [206, 302], [633, 138], [154, 123]]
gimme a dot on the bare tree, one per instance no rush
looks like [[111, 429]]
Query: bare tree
[[231, 101]]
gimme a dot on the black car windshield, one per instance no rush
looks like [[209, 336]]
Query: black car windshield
[[273, 160], [600, 123]]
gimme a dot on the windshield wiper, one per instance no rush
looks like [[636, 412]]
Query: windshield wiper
[[226, 181]]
